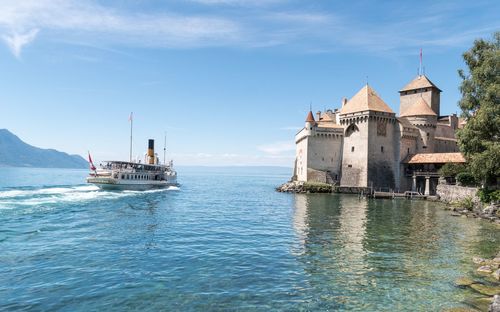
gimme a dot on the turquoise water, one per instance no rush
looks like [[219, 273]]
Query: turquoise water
[[225, 240]]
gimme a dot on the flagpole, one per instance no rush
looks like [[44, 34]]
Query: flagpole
[[165, 149], [131, 123], [420, 67]]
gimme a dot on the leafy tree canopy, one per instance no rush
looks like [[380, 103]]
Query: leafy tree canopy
[[480, 105]]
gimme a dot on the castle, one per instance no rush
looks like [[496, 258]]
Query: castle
[[364, 144]]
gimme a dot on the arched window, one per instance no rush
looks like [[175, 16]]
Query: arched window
[[351, 129]]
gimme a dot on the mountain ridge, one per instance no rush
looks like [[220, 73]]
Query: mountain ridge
[[16, 153]]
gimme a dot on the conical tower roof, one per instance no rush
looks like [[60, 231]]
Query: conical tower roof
[[420, 82], [419, 108], [310, 117], [365, 99]]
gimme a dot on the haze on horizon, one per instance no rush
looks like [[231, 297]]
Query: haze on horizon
[[230, 81]]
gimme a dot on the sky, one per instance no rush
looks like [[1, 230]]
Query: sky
[[229, 81]]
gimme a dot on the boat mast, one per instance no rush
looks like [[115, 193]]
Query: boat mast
[[165, 149], [131, 119]]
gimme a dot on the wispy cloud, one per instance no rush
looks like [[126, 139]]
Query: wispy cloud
[[17, 41], [277, 148], [244, 23], [238, 2], [86, 20], [218, 159], [290, 128]]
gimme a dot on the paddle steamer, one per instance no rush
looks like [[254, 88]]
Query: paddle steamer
[[129, 175]]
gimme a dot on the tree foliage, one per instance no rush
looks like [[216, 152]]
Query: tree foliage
[[480, 105], [450, 170]]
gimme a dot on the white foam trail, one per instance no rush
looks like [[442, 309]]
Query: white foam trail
[[73, 194], [46, 191]]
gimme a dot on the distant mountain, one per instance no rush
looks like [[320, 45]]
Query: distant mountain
[[16, 153]]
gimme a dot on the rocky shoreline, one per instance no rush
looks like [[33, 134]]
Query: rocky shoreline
[[490, 212], [487, 287], [471, 208], [306, 187]]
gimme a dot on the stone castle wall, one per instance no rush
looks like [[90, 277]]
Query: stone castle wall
[[355, 155], [450, 193], [325, 153], [383, 152]]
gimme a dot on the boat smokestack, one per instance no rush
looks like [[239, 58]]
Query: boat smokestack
[[151, 151]]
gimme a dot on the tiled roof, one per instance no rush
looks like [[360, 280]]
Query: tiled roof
[[420, 82], [435, 158], [406, 123], [329, 124], [366, 99], [445, 139], [310, 117], [419, 108], [325, 117]]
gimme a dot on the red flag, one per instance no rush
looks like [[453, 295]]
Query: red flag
[[92, 167]]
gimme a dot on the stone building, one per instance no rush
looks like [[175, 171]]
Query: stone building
[[364, 144]]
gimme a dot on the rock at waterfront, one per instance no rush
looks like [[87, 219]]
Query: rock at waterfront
[[495, 305], [464, 281], [486, 290], [490, 210], [460, 309], [478, 260], [485, 269], [496, 274]]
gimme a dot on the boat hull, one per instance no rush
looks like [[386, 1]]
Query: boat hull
[[112, 184]]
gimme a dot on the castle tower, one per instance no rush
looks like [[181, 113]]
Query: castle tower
[[319, 149], [420, 115], [371, 144], [420, 87]]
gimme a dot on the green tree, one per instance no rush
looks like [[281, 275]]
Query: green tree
[[480, 104], [450, 170]]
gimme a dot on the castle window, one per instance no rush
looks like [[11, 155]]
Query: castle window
[[428, 134], [350, 166], [424, 146], [408, 151], [352, 149], [382, 149], [322, 158]]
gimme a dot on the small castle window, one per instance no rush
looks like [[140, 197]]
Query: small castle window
[[408, 151], [322, 158], [352, 149], [350, 166], [428, 134], [382, 149], [424, 146]]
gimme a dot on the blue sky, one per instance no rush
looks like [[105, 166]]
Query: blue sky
[[229, 80]]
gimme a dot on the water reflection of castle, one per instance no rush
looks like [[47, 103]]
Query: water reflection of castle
[[351, 248], [364, 144]]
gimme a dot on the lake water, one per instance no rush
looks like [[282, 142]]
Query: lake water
[[225, 240]]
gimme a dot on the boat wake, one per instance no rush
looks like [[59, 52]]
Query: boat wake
[[12, 198]]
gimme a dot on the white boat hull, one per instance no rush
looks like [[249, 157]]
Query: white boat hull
[[115, 184]]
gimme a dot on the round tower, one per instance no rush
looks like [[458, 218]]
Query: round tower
[[420, 115], [310, 122]]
